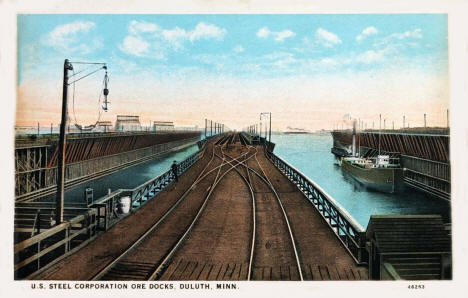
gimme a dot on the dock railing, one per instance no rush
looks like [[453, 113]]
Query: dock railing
[[55, 243], [345, 227], [107, 206]]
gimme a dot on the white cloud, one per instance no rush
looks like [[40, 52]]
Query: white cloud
[[327, 38], [137, 27], [150, 40], [238, 49], [66, 38], [415, 34], [329, 61], [177, 36], [278, 55], [366, 32], [206, 31], [263, 32], [134, 45], [371, 56], [278, 36], [285, 62]]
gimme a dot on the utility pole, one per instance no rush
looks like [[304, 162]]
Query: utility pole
[[424, 120], [403, 121], [380, 128], [269, 137], [206, 123], [62, 144], [269, 131], [260, 131], [62, 147], [447, 118]]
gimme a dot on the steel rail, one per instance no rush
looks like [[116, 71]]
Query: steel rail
[[254, 228], [108, 268], [164, 264], [291, 235], [103, 271]]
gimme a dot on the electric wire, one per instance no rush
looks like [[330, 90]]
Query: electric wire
[[86, 75], [105, 80], [84, 62]]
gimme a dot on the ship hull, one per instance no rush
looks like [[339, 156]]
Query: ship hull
[[380, 179]]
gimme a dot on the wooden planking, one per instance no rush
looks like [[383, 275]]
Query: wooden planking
[[191, 270], [243, 274], [324, 272], [170, 270], [188, 271], [206, 271], [316, 275], [214, 272], [197, 271]]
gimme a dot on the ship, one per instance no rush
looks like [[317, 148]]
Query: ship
[[380, 173], [375, 173], [292, 130]]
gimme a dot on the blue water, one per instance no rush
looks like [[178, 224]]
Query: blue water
[[128, 178], [311, 155]]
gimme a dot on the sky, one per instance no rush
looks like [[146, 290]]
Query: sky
[[310, 71]]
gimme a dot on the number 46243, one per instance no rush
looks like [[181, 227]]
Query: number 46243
[[416, 287]]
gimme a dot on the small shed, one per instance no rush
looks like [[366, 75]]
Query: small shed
[[410, 247]]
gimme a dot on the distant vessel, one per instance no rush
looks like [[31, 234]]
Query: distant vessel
[[377, 174], [292, 130]]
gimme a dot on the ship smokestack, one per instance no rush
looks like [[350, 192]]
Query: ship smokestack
[[354, 138]]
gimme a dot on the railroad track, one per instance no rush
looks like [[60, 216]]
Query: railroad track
[[198, 269], [266, 181], [213, 228], [136, 262]]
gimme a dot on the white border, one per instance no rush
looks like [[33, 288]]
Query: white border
[[457, 11]]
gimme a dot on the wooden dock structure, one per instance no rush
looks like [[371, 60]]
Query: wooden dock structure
[[231, 211], [231, 216]]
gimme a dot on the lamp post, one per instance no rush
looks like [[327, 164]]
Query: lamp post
[[269, 131]]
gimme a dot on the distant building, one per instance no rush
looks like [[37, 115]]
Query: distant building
[[127, 123], [163, 125], [104, 126]]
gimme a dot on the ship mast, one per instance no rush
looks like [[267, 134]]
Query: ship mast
[[359, 139], [354, 138], [380, 127]]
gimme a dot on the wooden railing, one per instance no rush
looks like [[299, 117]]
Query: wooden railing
[[41, 250], [389, 272], [345, 227]]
